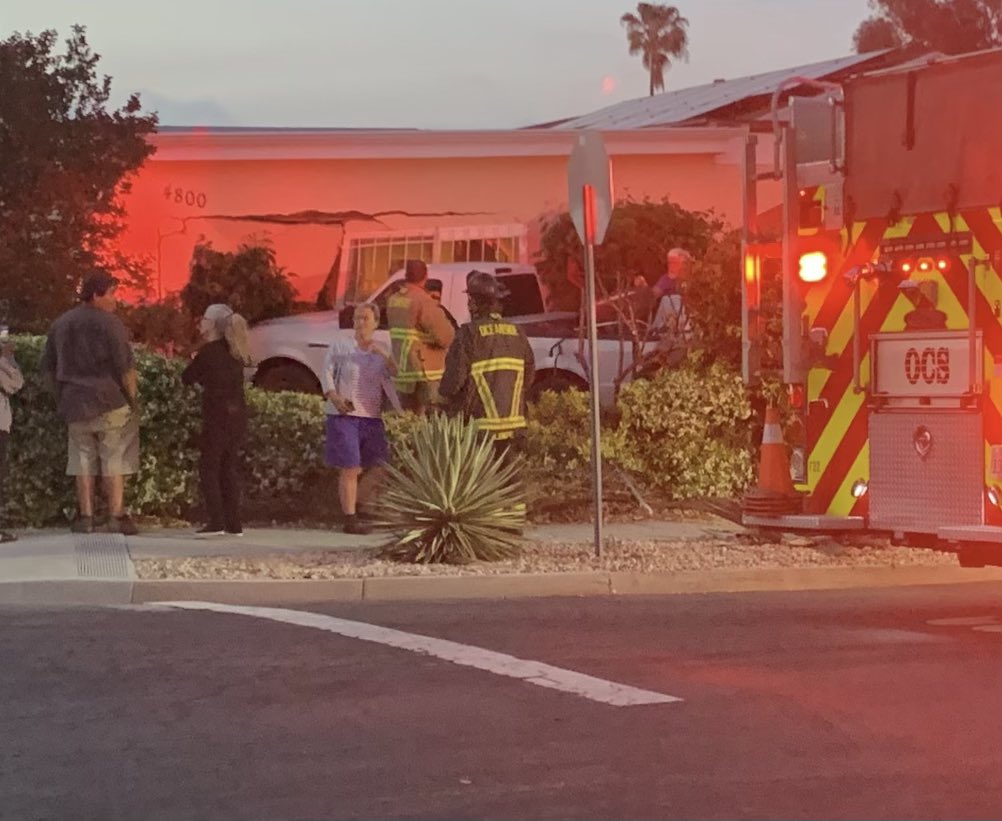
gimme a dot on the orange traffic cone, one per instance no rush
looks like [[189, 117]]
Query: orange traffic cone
[[773, 463], [775, 494]]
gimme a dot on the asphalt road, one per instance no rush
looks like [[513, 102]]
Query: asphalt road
[[794, 705]]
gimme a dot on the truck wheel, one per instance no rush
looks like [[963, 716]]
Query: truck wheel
[[556, 382], [287, 376]]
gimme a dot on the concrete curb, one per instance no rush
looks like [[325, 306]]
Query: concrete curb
[[66, 591], [432, 588]]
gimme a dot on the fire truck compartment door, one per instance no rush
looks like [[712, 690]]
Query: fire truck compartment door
[[915, 133], [926, 470]]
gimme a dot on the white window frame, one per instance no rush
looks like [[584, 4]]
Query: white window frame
[[439, 236]]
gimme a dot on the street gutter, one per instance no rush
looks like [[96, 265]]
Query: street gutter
[[410, 588]]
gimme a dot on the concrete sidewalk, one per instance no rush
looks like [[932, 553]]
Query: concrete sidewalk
[[57, 567]]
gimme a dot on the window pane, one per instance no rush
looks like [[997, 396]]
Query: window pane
[[381, 264], [398, 253], [446, 251], [523, 295], [362, 274]]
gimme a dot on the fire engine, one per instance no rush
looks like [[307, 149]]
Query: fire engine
[[883, 279]]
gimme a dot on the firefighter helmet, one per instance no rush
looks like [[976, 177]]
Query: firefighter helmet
[[484, 287]]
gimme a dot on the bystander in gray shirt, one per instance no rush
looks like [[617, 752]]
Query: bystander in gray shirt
[[87, 355]]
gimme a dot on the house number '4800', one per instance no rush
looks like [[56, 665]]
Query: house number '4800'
[[185, 196]]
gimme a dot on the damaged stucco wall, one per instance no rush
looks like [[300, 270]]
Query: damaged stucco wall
[[304, 201]]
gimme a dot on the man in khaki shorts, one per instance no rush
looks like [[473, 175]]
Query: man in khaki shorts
[[89, 363]]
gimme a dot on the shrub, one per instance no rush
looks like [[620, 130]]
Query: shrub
[[687, 431], [165, 327], [283, 458], [249, 280], [449, 499], [38, 490]]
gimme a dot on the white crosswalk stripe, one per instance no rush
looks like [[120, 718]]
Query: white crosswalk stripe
[[531, 672]]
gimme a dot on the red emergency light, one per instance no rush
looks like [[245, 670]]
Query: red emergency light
[[924, 265]]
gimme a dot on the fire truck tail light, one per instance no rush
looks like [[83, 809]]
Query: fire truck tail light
[[906, 266], [925, 265], [943, 264], [859, 488], [813, 267], [994, 495]]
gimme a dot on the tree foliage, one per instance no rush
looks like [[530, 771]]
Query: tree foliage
[[660, 34], [65, 160], [949, 26], [249, 280], [636, 244]]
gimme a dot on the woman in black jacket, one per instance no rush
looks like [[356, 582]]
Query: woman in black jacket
[[219, 368]]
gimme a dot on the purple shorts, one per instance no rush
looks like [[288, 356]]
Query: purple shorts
[[355, 441]]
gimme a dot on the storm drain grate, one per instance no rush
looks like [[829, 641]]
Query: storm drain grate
[[102, 556]]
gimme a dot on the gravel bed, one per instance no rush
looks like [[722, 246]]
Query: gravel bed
[[740, 551]]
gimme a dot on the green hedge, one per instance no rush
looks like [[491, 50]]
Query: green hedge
[[686, 432]]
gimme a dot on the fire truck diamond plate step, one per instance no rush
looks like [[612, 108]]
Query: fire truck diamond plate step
[[971, 533], [804, 521]]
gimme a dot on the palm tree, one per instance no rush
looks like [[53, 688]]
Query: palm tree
[[660, 34]]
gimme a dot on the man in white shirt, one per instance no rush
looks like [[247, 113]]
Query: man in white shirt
[[356, 375]]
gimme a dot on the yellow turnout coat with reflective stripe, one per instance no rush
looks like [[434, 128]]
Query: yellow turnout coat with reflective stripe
[[488, 370], [420, 334]]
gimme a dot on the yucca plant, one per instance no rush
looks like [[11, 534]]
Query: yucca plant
[[448, 499]]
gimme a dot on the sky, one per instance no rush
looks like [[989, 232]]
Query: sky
[[418, 63]]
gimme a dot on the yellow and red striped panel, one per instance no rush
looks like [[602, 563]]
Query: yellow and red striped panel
[[837, 436]]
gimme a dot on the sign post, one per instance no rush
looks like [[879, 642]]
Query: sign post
[[590, 199]]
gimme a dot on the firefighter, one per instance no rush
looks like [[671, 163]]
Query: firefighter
[[420, 334], [434, 289], [489, 368]]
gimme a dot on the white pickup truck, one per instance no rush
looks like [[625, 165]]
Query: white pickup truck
[[288, 352]]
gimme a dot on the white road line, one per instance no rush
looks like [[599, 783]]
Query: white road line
[[989, 628], [963, 621], [533, 672]]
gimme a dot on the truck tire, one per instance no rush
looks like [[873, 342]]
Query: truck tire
[[286, 376], [554, 381]]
